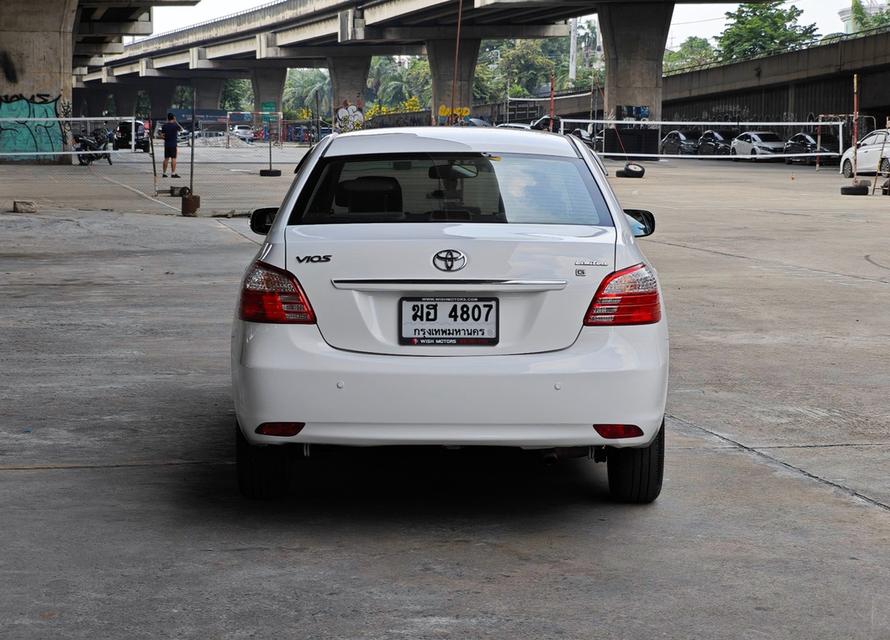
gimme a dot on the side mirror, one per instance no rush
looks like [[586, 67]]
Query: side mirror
[[642, 222], [261, 220]]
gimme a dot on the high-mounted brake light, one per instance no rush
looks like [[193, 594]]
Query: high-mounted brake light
[[273, 295], [629, 296]]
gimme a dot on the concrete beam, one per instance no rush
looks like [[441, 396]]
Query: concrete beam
[[208, 92], [173, 60], [88, 61], [135, 28], [98, 48], [233, 48], [491, 32], [304, 33], [391, 9], [339, 51]]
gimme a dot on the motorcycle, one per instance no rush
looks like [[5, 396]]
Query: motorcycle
[[91, 148]]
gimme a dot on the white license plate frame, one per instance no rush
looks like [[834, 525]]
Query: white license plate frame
[[427, 340]]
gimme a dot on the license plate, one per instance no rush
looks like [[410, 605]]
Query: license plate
[[448, 321]]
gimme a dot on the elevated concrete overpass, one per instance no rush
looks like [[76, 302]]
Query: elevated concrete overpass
[[42, 42], [342, 35]]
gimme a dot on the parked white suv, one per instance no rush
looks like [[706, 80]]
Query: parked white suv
[[451, 287]]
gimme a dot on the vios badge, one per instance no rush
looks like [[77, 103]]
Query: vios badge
[[449, 260]]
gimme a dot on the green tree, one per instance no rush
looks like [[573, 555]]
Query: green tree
[[301, 88], [396, 87], [237, 95], [756, 29], [420, 80], [694, 51], [382, 68], [862, 20], [525, 65]]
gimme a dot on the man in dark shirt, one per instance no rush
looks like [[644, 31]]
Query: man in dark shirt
[[170, 132]]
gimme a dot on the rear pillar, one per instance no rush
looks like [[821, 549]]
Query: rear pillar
[[441, 57], [268, 87], [208, 92], [634, 38], [36, 44], [160, 97], [125, 101], [349, 78]]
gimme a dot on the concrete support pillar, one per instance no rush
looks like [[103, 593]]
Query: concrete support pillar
[[90, 102], [35, 75], [160, 97], [634, 38], [441, 57], [349, 79], [209, 92], [268, 87], [125, 101]]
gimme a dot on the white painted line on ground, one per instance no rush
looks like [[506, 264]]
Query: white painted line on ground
[[135, 190]]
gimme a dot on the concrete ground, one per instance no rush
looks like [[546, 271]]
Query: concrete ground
[[119, 515]]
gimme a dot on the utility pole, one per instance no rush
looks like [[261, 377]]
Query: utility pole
[[573, 49]]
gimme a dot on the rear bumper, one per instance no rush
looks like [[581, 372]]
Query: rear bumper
[[609, 375]]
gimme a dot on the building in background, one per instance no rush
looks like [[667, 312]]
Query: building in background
[[871, 8]]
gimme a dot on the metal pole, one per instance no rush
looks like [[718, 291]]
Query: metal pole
[[192, 154], [460, 14], [855, 124]]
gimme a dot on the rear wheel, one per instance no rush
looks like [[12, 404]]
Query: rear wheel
[[885, 166], [262, 471], [635, 475], [848, 169]]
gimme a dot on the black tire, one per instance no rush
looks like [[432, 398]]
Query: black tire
[[636, 475], [263, 472], [788, 161], [631, 170], [82, 161], [848, 169], [855, 190], [885, 167], [753, 156], [735, 156]]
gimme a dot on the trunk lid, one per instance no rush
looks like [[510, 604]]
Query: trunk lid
[[542, 275]]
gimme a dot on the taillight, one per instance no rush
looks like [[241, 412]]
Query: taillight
[[270, 294], [629, 296]]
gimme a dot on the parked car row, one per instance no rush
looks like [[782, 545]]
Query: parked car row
[[754, 145]]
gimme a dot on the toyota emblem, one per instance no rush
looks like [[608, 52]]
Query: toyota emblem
[[449, 260]]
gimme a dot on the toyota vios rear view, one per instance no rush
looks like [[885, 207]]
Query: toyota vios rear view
[[451, 287]]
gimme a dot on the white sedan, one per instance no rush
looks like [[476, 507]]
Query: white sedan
[[872, 155], [756, 144], [451, 287]]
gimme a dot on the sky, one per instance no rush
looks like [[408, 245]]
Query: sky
[[689, 20]]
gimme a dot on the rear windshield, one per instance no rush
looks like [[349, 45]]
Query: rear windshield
[[503, 188]]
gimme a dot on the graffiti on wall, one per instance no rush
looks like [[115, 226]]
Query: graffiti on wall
[[20, 133], [349, 117], [461, 114]]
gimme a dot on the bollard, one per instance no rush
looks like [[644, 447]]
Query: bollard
[[190, 205]]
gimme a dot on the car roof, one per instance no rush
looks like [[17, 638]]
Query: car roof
[[450, 140]]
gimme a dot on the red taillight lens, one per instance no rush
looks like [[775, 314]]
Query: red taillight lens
[[615, 431], [629, 296], [283, 429], [270, 294]]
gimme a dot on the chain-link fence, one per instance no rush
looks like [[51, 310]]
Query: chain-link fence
[[119, 165]]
